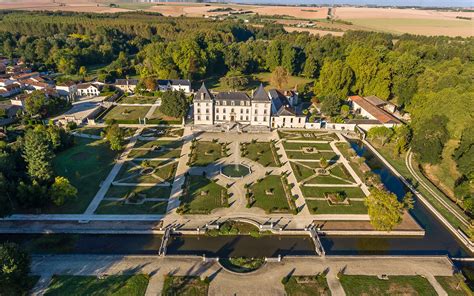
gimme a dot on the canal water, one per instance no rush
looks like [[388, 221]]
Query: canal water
[[437, 240]]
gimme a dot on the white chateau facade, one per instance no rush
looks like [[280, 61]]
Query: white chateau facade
[[261, 109]]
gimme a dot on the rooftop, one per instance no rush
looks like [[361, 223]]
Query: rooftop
[[380, 114]]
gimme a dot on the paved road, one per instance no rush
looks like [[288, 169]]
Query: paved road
[[266, 281]]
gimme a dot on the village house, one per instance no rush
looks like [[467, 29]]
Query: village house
[[126, 85], [67, 90], [88, 90], [174, 85], [9, 90]]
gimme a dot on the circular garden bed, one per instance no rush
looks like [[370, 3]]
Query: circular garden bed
[[242, 264]]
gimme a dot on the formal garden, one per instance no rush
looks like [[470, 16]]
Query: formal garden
[[272, 194], [98, 285], [161, 132], [185, 286], [202, 195], [145, 149], [264, 153], [307, 135], [306, 285], [204, 153]]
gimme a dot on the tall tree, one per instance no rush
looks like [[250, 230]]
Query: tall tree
[[429, 137], [234, 80], [174, 104], [385, 211], [331, 105], [115, 136], [381, 133], [335, 78], [38, 155], [62, 190], [279, 77], [15, 269]]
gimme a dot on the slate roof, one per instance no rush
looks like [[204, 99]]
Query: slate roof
[[232, 96], [260, 94], [124, 81], [280, 104], [376, 101], [203, 93], [180, 82]]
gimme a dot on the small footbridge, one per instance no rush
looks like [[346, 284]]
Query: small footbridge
[[318, 246], [164, 242]]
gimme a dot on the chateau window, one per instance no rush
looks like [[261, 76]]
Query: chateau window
[[265, 111], [223, 110], [224, 103], [248, 110], [241, 117], [198, 110], [264, 118], [299, 120], [198, 104], [207, 117], [232, 103], [242, 103], [223, 117], [217, 117], [232, 110], [247, 118], [255, 119], [241, 111], [256, 111], [207, 111], [217, 110], [284, 119], [291, 120], [199, 117]]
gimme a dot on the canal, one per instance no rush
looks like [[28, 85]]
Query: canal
[[437, 240]]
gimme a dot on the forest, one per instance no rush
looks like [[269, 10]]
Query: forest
[[429, 77]]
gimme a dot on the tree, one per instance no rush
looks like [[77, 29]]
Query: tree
[[150, 83], [345, 109], [279, 77], [38, 155], [464, 154], [331, 105], [15, 265], [115, 136], [32, 196], [234, 80], [429, 138], [289, 59], [402, 135], [380, 132], [174, 104], [385, 210], [323, 162], [5, 200], [311, 67], [82, 71], [335, 79], [35, 102], [62, 190]]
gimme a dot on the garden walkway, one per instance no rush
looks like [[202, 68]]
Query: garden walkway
[[113, 173]]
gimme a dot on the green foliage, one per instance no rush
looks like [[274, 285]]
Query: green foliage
[[429, 138], [61, 191], [174, 104], [385, 210], [234, 80], [464, 154], [335, 79], [279, 77], [38, 154], [15, 265], [5, 192], [331, 105], [115, 136], [381, 133], [35, 102]]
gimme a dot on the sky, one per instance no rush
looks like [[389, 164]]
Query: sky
[[437, 3]]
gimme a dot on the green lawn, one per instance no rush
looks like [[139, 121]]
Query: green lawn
[[205, 153], [184, 286], [126, 114], [95, 131], [307, 135], [326, 180], [323, 207], [158, 149], [276, 202], [148, 191], [261, 152], [123, 285], [307, 286], [86, 165], [351, 192], [302, 172], [202, 195], [300, 146], [131, 172], [159, 118], [109, 207], [256, 79], [138, 100], [315, 156], [454, 285], [159, 132], [396, 285]]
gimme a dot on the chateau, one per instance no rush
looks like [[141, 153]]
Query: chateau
[[272, 109]]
